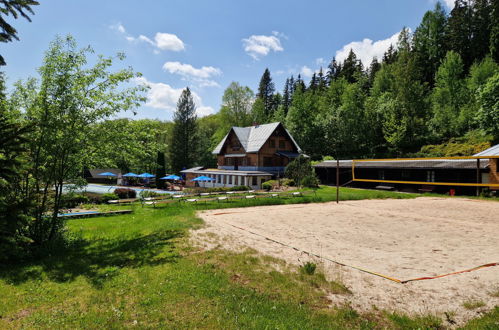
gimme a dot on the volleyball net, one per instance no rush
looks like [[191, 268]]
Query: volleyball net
[[473, 171]]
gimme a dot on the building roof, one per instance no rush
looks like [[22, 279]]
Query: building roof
[[252, 138], [492, 151], [408, 164], [200, 170], [94, 173]]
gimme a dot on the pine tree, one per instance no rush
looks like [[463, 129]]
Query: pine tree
[[390, 56], [459, 31], [266, 94], [286, 96], [313, 83], [333, 71], [429, 42], [183, 144], [481, 28], [321, 80], [14, 8], [160, 170], [494, 32], [351, 68], [373, 69]]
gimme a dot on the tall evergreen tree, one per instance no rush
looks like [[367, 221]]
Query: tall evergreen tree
[[480, 28], [265, 93], [459, 31], [183, 149], [494, 32], [351, 69], [286, 96], [429, 42], [14, 8], [333, 71], [390, 55]]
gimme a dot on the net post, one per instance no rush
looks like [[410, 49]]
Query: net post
[[478, 179], [337, 181]]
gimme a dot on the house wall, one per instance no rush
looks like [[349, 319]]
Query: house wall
[[494, 170], [227, 180]]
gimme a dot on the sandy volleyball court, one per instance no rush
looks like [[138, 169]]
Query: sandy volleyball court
[[403, 239]]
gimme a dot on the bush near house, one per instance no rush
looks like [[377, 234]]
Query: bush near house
[[123, 193]]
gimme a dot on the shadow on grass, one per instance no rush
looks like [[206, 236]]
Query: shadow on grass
[[98, 260]]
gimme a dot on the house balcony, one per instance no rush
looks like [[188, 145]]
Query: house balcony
[[276, 170]]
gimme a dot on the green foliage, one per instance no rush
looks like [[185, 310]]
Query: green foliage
[[108, 197], [70, 97], [310, 181], [488, 98], [299, 169], [71, 200], [183, 147], [308, 268], [236, 106], [13, 8], [473, 142], [124, 193], [148, 193], [267, 186]]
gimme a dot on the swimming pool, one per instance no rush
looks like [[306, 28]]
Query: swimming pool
[[104, 189]]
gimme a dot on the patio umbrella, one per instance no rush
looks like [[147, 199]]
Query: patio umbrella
[[146, 175], [130, 175], [171, 177], [203, 178], [107, 174]]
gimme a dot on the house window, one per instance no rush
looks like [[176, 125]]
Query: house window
[[254, 181], [230, 179], [244, 161], [406, 174], [267, 161], [430, 176], [282, 144], [272, 143], [381, 174]]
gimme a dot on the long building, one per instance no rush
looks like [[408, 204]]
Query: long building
[[430, 170]]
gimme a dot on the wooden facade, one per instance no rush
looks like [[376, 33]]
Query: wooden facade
[[277, 151]]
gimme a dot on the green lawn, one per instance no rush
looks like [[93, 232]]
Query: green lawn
[[139, 270]]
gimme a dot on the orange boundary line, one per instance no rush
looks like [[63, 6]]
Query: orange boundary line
[[365, 270]]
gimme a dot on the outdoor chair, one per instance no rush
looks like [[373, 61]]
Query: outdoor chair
[[296, 194], [250, 196], [224, 198], [191, 200]]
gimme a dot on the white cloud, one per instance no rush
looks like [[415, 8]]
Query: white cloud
[[201, 77], [306, 71], [258, 46], [162, 41], [367, 49], [320, 61], [188, 70], [164, 96]]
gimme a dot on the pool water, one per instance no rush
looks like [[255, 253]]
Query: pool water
[[104, 189]]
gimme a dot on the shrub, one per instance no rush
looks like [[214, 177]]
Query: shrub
[[310, 181], [108, 197], [148, 193], [93, 198], [241, 188], [288, 182], [123, 193], [308, 268], [298, 169], [71, 200], [267, 186]]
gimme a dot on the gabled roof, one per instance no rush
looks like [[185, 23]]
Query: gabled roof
[[252, 138], [492, 151]]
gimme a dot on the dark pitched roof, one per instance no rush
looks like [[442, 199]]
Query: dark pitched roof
[[252, 138]]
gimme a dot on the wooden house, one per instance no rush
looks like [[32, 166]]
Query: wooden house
[[249, 156]]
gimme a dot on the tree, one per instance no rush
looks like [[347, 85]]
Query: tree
[[286, 96], [14, 209], [266, 96], [494, 32], [351, 69], [429, 42], [459, 31], [299, 170], [449, 96], [488, 98], [69, 99], [237, 103], [160, 170], [15, 8], [183, 150]]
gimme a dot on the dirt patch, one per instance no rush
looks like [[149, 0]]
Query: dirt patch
[[403, 239]]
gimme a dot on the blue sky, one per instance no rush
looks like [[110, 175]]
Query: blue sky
[[207, 44]]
